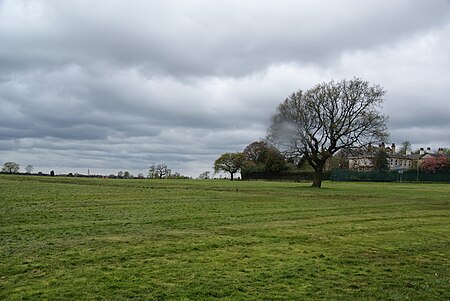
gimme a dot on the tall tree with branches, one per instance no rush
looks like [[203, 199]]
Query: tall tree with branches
[[317, 123], [158, 171]]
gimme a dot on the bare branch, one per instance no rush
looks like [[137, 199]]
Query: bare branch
[[327, 118]]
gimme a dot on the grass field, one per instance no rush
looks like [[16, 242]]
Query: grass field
[[96, 239]]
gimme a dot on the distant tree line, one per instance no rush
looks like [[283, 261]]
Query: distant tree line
[[156, 171]]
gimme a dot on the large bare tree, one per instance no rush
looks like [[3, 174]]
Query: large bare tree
[[317, 123]]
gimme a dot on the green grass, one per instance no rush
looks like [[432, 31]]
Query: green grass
[[109, 239]]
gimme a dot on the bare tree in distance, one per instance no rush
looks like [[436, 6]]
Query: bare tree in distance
[[406, 146], [29, 168], [127, 175], [317, 123], [158, 171], [204, 175]]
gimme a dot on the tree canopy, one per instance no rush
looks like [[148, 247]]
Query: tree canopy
[[262, 157], [317, 123], [11, 167], [230, 162]]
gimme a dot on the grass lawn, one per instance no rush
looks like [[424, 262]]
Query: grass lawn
[[109, 239]]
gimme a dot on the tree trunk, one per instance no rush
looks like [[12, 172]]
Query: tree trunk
[[232, 174], [318, 172]]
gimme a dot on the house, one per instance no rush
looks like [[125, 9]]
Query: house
[[365, 161]]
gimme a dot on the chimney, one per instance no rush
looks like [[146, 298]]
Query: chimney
[[428, 150], [408, 152], [441, 151], [422, 152], [393, 148]]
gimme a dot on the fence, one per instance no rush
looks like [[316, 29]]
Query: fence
[[389, 176], [284, 176]]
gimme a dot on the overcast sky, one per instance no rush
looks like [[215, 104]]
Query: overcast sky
[[117, 85]]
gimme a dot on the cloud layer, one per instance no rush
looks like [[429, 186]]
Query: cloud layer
[[111, 85]]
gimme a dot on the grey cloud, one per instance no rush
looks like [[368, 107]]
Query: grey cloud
[[420, 136], [203, 38]]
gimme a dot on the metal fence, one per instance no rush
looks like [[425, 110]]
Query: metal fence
[[284, 176], [389, 176]]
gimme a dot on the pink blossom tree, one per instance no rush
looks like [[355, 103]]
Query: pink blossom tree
[[433, 164]]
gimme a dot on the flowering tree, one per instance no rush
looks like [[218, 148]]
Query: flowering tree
[[433, 164]]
